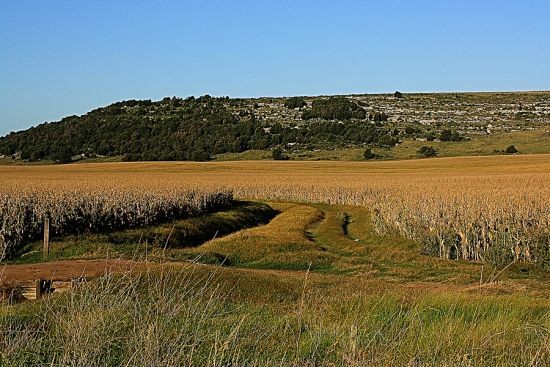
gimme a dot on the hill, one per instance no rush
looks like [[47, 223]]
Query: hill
[[298, 127]]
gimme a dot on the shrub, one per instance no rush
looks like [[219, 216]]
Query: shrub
[[278, 155], [368, 154], [511, 150], [61, 154], [131, 157], [295, 102], [378, 116], [387, 141], [200, 156], [398, 94], [448, 135], [411, 130], [427, 151], [430, 136]]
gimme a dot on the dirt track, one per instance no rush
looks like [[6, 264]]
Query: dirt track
[[62, 270]]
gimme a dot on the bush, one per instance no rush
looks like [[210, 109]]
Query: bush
[[387, 141], [430, 136], [278, 155], [368, 154], [295, 102], [398, 94], [511, 150], [448, 135], [131, 157], [411, 130], [378, 116], [200, 156], [427, 151], [61, 154]]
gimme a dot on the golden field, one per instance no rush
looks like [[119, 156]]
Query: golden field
[[475, 208], [314, 285]]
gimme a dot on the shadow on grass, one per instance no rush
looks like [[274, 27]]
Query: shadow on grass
[[171, 236]]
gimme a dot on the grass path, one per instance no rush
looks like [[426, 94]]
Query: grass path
[[340, 240]]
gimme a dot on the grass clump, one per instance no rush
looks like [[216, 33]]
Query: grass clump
[[197, 316]]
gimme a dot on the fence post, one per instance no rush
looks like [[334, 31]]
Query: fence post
[[46, 251], [39, 288], [44, 286]]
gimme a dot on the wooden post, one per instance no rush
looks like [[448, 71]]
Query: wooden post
[[46, 237], [39, 288], [44, 286]]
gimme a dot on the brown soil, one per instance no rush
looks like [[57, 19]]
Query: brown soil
[[63, 270]]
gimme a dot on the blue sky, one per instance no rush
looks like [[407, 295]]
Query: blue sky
[[59, 58]]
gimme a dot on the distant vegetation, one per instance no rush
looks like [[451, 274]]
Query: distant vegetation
[[427, 152], [449, 135], [511, 150], [335, 108], [295, 102], [278, 154], [208, 127], [368, 154], [192, 129]]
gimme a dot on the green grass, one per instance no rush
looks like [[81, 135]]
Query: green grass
[[18, 162], [163, 240], [199, 316], [246, 155], [527, 142]]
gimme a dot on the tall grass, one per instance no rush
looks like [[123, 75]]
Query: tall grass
[[175, 317]]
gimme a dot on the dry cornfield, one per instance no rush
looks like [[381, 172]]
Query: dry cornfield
[[80, 208], [476, 208]]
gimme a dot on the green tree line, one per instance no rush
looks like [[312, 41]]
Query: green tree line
[[189, 129]]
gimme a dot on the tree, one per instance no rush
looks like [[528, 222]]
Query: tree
[[276, 128], [200, 155], [387, 141], [61, 154], [446, 135], [368, 154], [295, 102], [411, 130], [278, 155], [427, 151], [398, 94], [511, 150], [378, 116]]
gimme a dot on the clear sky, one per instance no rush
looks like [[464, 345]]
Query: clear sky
[[59, 58]]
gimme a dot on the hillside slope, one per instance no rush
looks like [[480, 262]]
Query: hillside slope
[[198, 128]]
